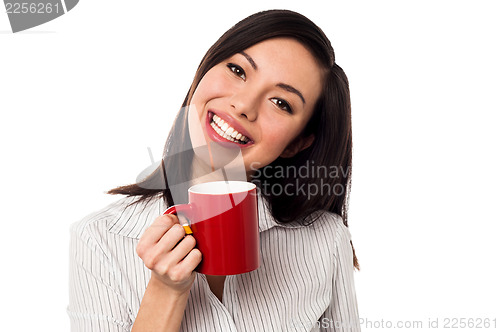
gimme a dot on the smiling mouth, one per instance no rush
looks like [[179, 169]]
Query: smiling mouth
[[224, 130]]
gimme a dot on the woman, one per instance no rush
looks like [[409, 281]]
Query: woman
[[272, 77]]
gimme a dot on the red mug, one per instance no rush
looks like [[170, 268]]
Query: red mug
[[224, 221]]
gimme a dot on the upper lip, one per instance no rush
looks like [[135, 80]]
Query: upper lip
[[231, 122]]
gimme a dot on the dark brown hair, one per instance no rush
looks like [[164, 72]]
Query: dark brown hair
[[330, 124]]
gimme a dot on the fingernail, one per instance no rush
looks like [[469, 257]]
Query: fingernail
[[187, 229]]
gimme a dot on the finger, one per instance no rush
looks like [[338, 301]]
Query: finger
[[183, 248], [168, 262], [158, 254], [171, 238], [192, 260], [158, 228]]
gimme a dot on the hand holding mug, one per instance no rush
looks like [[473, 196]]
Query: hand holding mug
[[169, 253]]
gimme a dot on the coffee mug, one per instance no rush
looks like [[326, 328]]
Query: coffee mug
[[223, 218]]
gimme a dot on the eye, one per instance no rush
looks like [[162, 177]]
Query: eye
[[237, 70], [282, 104]]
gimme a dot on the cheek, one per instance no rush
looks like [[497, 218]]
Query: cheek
[[213, 85], [278, 137]]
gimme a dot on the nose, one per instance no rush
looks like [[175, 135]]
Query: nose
[[244, 103]]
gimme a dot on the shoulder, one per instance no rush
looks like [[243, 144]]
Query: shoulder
[[330, 222], [125, 217], [333, 227], [101, 219]]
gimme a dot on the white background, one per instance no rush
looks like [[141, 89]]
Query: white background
[[83, 96]]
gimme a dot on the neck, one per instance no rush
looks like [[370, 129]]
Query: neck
[[201, 172]]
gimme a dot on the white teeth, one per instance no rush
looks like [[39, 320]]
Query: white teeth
[[223, 129]]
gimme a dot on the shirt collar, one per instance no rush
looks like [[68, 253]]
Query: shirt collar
[[266, 219], [130, 219]]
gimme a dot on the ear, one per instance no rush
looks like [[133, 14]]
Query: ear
[[297, 145]]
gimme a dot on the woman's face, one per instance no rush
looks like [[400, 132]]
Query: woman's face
[[260, 100]]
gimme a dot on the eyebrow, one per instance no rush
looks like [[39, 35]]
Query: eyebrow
[[290, 88], [249, 58], [284, 86]]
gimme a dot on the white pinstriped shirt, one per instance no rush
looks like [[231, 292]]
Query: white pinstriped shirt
[[305, 281]]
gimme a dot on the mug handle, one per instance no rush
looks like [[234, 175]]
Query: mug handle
[[184, 209]]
